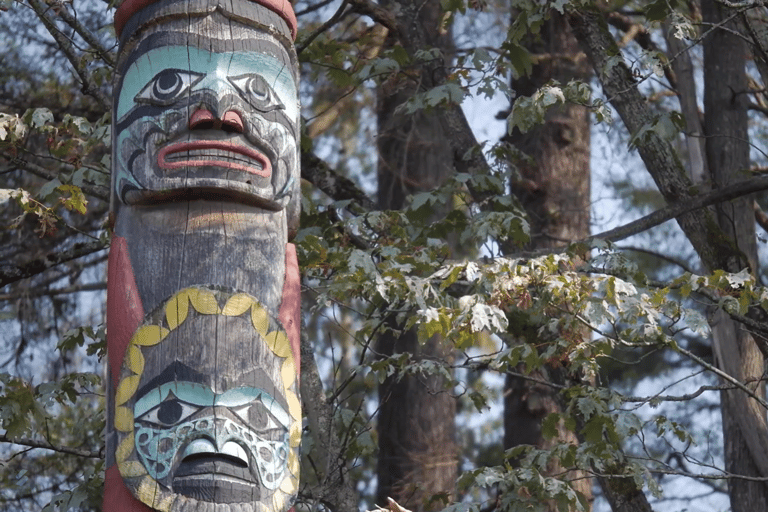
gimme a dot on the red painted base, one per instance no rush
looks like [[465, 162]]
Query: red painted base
[[117, 497]]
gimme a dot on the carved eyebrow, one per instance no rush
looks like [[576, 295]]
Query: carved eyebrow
[[176, 371], [192, 393], [242, 396], [202, 396]]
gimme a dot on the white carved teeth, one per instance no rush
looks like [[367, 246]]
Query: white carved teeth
[[214, 155], [230, 448], [199, 446], [235, 450]]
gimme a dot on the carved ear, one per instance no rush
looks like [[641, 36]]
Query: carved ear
[[290, 307]]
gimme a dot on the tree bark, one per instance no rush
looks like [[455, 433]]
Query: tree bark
[[337, 489], [417, 464], [624, 495], [725, 103], [554, 187]]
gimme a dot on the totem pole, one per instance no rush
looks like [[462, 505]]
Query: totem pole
[[203, 408]]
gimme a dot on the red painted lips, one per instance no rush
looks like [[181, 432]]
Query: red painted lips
[[228, 155]]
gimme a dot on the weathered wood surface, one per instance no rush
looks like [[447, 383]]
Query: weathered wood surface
[[203, 293]]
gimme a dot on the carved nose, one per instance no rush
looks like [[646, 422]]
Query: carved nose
[[203, 119]]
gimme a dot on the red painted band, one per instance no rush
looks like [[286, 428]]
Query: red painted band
[[265, 171], [130, 7], [290, 307], [124, 308]]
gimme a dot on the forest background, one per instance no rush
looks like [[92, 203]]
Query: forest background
[[446, 272]]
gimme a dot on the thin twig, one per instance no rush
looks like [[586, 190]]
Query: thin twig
[[32, 443], [65, 45], [721, 374], [87, 36]]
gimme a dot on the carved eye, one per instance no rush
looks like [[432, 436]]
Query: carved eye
[[259, 418], [168, 86], [169, 413], [257, 91]]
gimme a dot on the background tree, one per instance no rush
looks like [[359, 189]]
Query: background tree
[[745, 430], [552, 182], [417, 460]]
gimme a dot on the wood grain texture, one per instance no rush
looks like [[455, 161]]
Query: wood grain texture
[[203, 337]]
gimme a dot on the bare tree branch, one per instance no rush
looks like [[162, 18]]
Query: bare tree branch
[[65, 45], [92, 190], [339, 188], [33, 443], [12, 273], [87, 36], [337, 16], [58, 291], [684, 206], [376, 13]]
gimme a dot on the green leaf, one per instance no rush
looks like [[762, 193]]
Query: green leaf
[[549, 425], [479, 400], [37, 117], [658, 10], [76, 200], [48, 189], [520, 58]]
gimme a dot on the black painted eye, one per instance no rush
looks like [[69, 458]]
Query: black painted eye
[[257, 91], [169, 413], [168, 86]]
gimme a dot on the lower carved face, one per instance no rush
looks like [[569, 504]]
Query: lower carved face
[[198, 425], [206, 122], [212, 447]]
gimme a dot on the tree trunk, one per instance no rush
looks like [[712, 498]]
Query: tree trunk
[[725, 103], [716, 247], [417, 453], [553, 186]]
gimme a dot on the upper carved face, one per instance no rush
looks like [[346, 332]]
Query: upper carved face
[[200, 123]]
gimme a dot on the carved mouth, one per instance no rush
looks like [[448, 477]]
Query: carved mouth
[[219, 479], [210, 153], [208, 474]]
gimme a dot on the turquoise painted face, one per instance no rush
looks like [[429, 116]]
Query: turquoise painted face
[[193, 122], [207, 410], [182, 429]]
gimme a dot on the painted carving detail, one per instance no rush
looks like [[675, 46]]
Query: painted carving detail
[[227, 124], [204, 409], [185, 438]]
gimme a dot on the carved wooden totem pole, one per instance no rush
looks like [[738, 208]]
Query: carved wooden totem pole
[[203, 294]]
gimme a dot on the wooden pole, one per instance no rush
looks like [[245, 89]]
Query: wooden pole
[[203, 301]]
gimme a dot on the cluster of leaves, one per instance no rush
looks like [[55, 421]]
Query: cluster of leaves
[[54, 164], [396, 265]]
